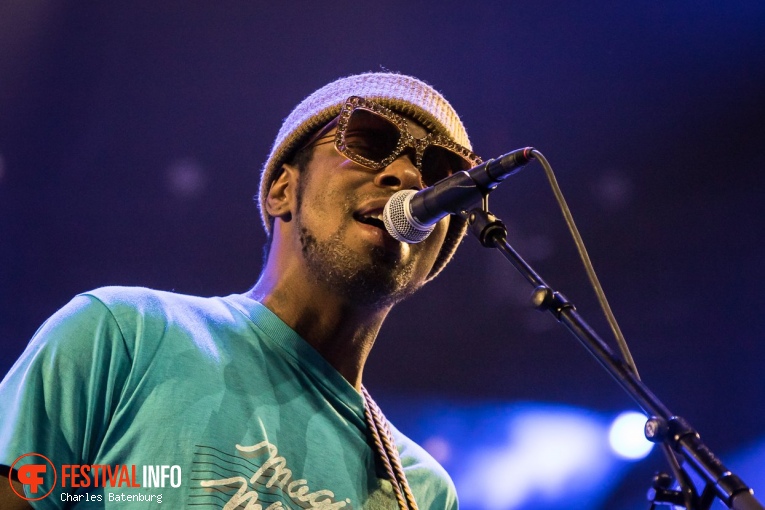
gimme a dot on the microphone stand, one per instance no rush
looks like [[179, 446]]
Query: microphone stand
[[663, 427]]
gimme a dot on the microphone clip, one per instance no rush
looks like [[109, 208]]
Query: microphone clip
[[486, 227]]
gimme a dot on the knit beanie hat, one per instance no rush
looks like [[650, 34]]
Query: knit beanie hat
[[404, 94]]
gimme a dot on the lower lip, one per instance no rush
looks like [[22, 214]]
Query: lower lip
[[378, 236]]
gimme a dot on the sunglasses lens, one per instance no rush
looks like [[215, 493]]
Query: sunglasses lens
[[438, 163], [370, 135]]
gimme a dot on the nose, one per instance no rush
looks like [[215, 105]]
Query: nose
[[401, 174]]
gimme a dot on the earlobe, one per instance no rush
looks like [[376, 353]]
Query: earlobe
[[281, 199]]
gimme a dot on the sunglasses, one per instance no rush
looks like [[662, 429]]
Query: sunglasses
[[374, 137]]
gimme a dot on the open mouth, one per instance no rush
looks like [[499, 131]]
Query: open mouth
[[373, 218]]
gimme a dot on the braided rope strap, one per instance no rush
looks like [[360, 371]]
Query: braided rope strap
[[386, 449]]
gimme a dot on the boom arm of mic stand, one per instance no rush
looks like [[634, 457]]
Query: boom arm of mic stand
[[663, 426]]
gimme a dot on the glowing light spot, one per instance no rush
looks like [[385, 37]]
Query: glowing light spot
[[614, 191], [549, 455], [186, 178], [627, 437], [439, 448]]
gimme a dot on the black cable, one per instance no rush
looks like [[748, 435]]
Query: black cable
[[686, 490], [589, 269]]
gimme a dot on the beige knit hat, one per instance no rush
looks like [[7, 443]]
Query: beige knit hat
[[403, 94]]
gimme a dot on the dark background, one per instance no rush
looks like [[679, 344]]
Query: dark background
[[132, 134]]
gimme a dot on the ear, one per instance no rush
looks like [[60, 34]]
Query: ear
[[282, 196]]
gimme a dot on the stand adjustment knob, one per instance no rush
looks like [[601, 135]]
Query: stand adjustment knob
[[656, 429], [661, 491]]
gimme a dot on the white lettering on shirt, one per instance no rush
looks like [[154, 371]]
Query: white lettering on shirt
[[280, 477]]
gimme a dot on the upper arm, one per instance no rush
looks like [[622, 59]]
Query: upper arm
[[59, 396]]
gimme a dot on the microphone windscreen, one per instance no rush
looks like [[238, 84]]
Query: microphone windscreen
[[398, 219]]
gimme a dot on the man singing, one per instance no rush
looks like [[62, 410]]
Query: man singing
[[253, 400]]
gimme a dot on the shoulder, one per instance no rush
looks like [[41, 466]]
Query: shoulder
[[131, 304], [147, 315], [146, 301], [128, 319], [429, 480], [78, 339], [414, 456]]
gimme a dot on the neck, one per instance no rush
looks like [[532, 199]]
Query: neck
[[342, 332]]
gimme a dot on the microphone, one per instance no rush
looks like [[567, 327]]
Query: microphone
[[410, 216]]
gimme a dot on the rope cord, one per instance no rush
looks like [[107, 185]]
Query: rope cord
[[387, 451]]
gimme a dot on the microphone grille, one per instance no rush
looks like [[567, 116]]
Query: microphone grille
[[397, 219]]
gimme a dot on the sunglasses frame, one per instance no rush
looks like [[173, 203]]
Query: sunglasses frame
[[405, 141]]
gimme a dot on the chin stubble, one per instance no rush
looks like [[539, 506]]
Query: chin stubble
[[376, 279]]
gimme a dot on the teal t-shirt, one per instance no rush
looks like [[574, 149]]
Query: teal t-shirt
[[140, 398]]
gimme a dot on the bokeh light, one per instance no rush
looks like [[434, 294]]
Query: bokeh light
[[627, 437]]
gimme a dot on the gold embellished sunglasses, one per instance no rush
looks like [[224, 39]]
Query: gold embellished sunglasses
[[374, 136]]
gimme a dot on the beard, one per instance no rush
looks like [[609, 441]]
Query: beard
[[375, 278]]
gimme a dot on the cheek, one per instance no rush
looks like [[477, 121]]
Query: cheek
[[432, 245], [322, 200], [439, 233]]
